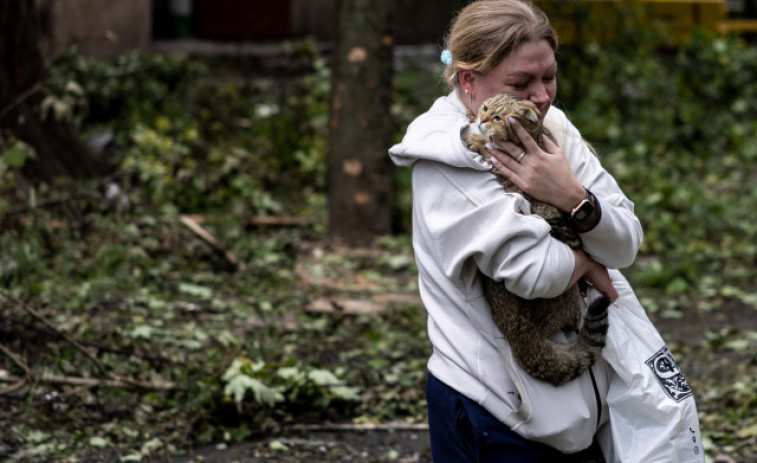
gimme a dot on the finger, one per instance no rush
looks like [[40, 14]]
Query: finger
[[525, 138], [612, 294], [503, 162], [608, 290], [549, 145], [507, 147], [603, 284]]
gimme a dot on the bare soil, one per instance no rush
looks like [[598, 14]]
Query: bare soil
[[400, 445]]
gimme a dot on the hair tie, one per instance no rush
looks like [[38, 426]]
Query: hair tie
[[446, 58]]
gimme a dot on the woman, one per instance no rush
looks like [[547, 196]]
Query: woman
[[481, 406]]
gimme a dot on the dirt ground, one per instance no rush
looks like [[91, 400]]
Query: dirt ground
[[410, 443], [401, 445]]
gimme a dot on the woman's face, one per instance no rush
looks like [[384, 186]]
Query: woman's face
[[530, 72]]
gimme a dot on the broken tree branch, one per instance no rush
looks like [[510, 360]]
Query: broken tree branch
[[20, 99], [117, 382], [55, 329], [16, 359], [210, 240], [280, 221], [13, 387], [18, 383], [329, 427]]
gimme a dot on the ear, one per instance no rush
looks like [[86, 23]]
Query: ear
[[466, 78]]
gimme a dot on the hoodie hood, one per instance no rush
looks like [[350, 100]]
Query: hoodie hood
[[437, 135]]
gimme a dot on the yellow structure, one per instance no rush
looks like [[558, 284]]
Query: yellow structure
[[582, 21]]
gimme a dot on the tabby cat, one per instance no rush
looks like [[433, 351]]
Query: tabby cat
[[528, 325]]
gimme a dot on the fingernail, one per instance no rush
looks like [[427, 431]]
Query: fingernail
[[489, 146], [495, 161], [511, 120]]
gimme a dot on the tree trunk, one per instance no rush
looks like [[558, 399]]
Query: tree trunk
[[361, 193], [59, 149]]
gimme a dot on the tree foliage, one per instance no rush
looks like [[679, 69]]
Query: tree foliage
[[28, 116]]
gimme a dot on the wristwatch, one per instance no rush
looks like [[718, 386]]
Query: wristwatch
[[584, 209]]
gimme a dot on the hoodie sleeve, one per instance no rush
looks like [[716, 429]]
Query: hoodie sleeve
[[616, 239], [463, 217]]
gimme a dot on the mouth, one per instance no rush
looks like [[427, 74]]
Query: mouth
[[543, 110]]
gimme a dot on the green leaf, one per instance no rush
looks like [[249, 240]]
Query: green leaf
[[328, 379], [278, 445], [323, 377], [288, 373], [195, 290], [226, 338], [15, 156], [238, 386], [98, 442], [748, 432], [134, 456], [738, 344], [142, 332]]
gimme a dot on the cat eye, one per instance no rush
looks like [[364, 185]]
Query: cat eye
[[485, 108], [497, 118]]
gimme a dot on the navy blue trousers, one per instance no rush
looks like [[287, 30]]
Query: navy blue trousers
[[462, 431]]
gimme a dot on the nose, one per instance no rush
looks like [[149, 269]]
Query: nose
[[539, 95]]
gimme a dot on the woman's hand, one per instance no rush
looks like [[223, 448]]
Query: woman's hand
[[542, 174], [593, 272]]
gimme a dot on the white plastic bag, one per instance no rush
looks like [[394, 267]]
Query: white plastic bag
[[653, 416]]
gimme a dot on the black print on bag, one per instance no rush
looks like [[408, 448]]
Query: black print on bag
[[669, 375]]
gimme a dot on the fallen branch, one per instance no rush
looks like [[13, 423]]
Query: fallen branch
[[94, 382], [41, 203], [279, 221], [195, 227], [16, 359], [113, 381], [367, 305], [20, 99], [91, 195], [359, 427], [18, 384], [51, 326], [21, 363]]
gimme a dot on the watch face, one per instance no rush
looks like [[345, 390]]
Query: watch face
[[583, 212]]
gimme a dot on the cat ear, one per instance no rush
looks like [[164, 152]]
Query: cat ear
[[532, 116]]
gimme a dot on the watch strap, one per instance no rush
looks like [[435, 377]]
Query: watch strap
[[597, 208]]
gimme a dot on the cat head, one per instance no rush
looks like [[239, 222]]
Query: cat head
[[493, 115]]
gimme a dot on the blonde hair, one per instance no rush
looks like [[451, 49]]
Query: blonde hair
[[487, 31]]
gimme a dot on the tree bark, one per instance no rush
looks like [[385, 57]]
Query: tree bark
[[361, 192], [59, 149]]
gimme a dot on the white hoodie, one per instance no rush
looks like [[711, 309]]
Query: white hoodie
[[464, 222]]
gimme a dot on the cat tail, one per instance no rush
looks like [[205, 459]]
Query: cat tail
[[594, 330], [561, 363]]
